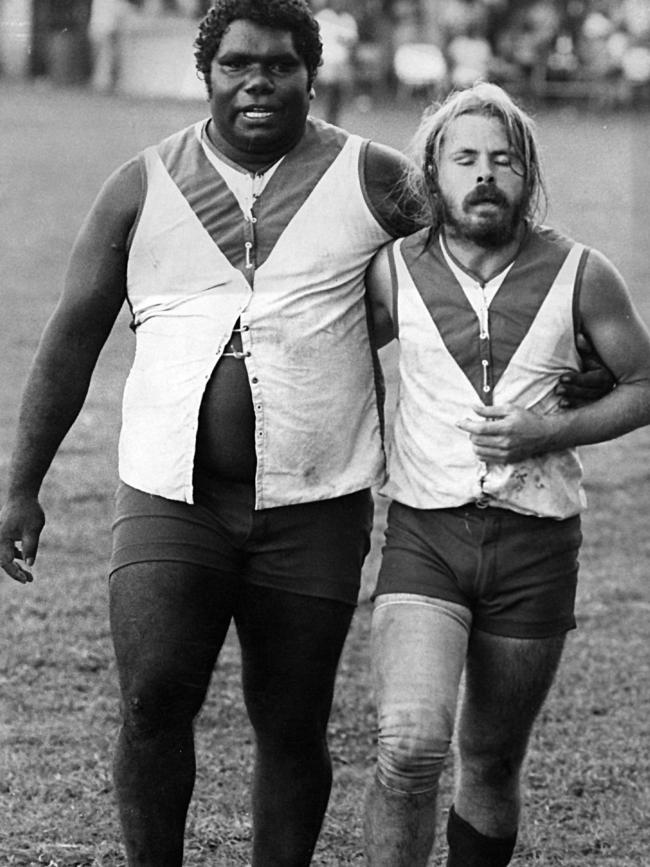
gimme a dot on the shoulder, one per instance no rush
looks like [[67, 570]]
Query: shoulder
[[603, 291], [611, 320], [386, 173], [547, 240], [322, 140], [384, 163], [116, 206], [420, 243], [123, 189], [178, 145], [599, 271]]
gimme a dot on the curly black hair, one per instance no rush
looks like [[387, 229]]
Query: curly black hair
[[293, 15]]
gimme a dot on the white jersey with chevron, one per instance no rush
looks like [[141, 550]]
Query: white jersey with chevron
[[294, 278], [454, 355]]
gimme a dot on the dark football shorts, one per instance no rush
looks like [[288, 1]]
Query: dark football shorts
[[516, 573], [316, 549]]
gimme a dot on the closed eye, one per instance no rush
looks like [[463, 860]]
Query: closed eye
[[465, 159]]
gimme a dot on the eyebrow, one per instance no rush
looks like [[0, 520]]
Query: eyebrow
[[242, 54], [465, 151]]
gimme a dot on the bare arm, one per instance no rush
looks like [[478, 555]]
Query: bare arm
[[507, 433], [379, 292], [58, 381], [400, 209]]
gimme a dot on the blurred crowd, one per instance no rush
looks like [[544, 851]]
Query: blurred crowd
[[548, 48]]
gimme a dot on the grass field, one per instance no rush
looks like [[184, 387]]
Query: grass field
[[586, 802]]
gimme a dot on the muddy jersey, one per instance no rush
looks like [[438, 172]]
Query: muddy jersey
[[288, 266], [463, 342]]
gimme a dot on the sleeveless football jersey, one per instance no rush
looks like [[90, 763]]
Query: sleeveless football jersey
[[292, 273], [462, 343]]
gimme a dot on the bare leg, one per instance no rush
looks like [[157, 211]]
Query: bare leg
[[291, 646], [169, 622], [418, 648], [507, 681]]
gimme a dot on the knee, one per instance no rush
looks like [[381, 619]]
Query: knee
[[151, 708], [287, 724], [411, 752], [490, 765], [301, 738]]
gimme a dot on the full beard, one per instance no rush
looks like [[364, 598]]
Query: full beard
[[490, 232]]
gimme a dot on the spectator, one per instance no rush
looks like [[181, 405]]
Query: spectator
[[340, 36], [635, 16], [469, 59], [529, 40], [595, 55], [105, 28], [462, 17]]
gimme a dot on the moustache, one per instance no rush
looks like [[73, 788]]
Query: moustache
[[486, 193]]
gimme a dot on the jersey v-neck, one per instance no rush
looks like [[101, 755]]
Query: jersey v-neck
[[515, 296], [246, 186], [286, 189], [479, 294]]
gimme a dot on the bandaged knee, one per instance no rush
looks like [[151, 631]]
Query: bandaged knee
[[410, 764]]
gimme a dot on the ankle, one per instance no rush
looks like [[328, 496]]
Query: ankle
[[469, 848]]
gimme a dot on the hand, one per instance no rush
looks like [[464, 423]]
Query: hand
[[506, 434], [591, 383], [21, 521]]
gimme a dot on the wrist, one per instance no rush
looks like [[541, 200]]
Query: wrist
[[554, 426], [19, 489]]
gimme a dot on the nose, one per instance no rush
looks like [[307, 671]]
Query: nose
[[259, 80], [485, 173]]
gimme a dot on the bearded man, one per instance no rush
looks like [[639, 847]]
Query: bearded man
[[480, 565]]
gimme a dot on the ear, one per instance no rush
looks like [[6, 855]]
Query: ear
[[431, 173], [312, 93]]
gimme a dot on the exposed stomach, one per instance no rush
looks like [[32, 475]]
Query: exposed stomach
[[225, 442]]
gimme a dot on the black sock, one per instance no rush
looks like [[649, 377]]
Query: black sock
[[469, 848]]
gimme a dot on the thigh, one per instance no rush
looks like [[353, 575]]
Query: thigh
[[168, 623], [507, 681], [418, 646], [291, 645]]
